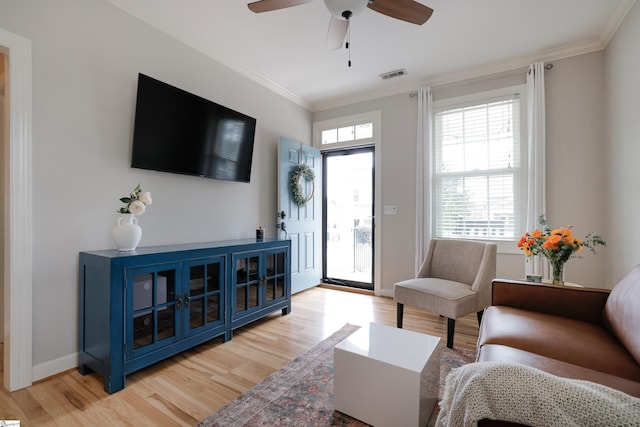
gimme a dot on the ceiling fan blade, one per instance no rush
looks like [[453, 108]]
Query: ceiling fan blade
[[404, 10], [269, 5], [336, 33]]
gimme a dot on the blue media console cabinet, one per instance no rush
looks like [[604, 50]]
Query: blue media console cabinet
[[137, 308]]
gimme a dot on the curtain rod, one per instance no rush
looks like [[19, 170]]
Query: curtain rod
[[547, 66]]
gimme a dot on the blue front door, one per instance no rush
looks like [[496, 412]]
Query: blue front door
[[302, 223]]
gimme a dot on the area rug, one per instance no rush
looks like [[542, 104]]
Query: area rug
[[301, 393]]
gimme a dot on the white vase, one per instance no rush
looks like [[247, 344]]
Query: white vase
[[126, 233]]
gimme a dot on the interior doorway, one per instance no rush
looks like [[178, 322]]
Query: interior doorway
[[348, 217]]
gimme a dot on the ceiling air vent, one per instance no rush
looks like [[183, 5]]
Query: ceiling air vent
[[394, 73]]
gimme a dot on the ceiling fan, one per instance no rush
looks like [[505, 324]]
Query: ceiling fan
[[343, 10]]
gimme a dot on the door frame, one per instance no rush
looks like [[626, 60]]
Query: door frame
[[18, 221], [349, 151], [376, 141]]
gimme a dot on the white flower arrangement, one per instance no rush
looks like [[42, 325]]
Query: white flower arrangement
[[136, 203]]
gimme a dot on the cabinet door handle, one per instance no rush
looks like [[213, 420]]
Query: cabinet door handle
[[187, 300], [178, 302]]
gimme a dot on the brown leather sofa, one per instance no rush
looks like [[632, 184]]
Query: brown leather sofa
[[581, 333]]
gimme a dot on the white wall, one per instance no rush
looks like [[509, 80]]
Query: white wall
[[622, 195], [576, 118], [575, 130], [399, 127], [86, 57]]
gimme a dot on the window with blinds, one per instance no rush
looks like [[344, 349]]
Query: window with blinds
[[477, 169]]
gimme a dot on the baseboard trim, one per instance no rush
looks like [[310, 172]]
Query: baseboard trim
[[346, 288], [55, 367], [386, 293], [382, 293]]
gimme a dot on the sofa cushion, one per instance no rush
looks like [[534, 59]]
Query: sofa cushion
[[442, 288], [622, 312], [568, 340], [501, 353]]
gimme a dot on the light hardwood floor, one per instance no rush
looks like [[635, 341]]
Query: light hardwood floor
[[187, 388]]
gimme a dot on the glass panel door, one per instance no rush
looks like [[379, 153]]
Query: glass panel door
[[275, 276], [203, 301], [247, 282], [348, 217], [153, 307]]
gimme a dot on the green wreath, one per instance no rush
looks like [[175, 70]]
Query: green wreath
[[297, 192]]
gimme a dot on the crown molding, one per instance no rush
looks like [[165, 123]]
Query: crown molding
[[487, 69], [161, 23], [616, 20], [510, 65]]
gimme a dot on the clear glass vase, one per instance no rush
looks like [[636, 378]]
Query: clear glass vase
[[557, 272]]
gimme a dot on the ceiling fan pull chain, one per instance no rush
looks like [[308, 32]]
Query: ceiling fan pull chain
[[349, 44]]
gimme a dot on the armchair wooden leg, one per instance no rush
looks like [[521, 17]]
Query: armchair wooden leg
[[400, 313], [451, 327], [479, 314]]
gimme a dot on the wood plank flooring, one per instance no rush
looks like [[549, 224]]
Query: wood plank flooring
[[187, 388]]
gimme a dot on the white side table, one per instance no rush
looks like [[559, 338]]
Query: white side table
[[386, 376]]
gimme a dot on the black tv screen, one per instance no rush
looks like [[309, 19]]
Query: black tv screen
[[179, 132]]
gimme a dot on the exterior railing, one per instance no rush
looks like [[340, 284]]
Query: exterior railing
[[362, 248]]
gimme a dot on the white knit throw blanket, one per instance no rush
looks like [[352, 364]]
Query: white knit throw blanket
[[521, 394]]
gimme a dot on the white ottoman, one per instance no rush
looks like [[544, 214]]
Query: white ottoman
[[385, 376]]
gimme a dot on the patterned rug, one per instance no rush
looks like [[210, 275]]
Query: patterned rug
[[301, 393]]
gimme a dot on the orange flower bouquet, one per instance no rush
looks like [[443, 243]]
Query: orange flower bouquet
[[558, 246]]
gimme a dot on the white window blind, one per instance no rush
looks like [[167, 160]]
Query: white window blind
[[477, 169]]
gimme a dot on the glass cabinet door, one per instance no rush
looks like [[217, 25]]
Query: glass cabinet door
[[275, 276], [151, 308], [204, 298], [247, 282]]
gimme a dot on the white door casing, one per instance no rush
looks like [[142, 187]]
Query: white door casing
[[18, 224]]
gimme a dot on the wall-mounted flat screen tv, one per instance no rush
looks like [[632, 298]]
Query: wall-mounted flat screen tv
[[179, 132]]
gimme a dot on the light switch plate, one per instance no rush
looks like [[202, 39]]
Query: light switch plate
[[390, 209]]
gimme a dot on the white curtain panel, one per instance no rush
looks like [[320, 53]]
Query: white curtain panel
[[536, 200], [423, 174]]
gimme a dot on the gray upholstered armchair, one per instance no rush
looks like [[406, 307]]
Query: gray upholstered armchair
[[454, 280]]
